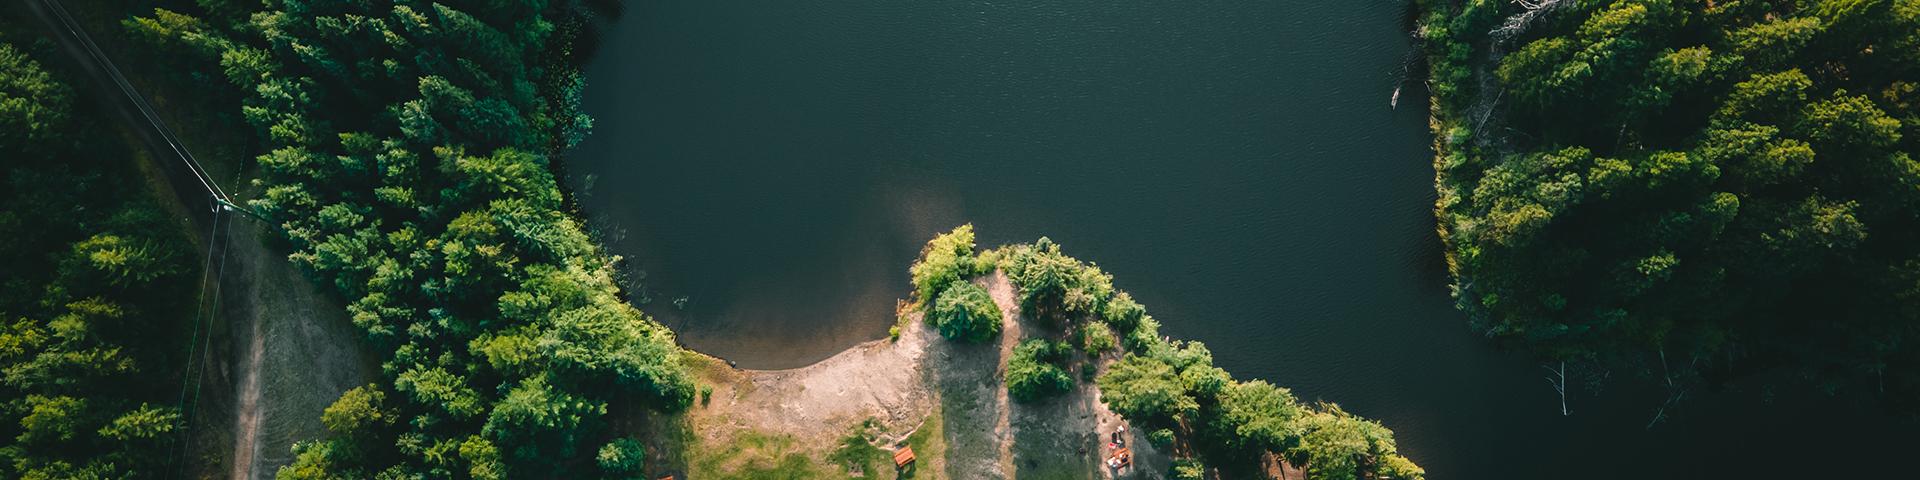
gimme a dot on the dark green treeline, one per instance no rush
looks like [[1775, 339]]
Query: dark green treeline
[[96, 298], [407, 163], [1692, 191]]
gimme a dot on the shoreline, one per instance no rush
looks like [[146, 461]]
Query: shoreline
[[945, 399]]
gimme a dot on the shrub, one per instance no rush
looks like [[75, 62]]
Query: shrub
[[1096, 338], [1035, 370], [1145, 336], [622, 458], [1123, 313], [965, 312], [946, 260], [1161, 438], [1189, 469], [706, 394]]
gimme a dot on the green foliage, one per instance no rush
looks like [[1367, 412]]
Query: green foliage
[[1055, 287], [965, 312], [856, 449], [1161, 438], [1036, 370], [358, 410], [33, 106], [1188, 469], [1145, 388], [1720, 185], [96, 295], [1097, 339], [1338, 445], [1123, 313], [622, 458], [946, 260], [1174, 390], [407, 148]]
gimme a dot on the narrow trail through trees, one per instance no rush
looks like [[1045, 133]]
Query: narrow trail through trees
[[293, 350]]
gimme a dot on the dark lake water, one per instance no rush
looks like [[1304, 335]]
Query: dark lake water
[[1235, 165]]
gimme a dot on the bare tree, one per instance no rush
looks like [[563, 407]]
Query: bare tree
[[1676, 391], [1559, 382], [1518, 23]]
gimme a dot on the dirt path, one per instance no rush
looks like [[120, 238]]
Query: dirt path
[[246, 423], [1012, 332], [292, 351]]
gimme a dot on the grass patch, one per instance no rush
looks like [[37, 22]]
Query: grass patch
[[930, 444], [755, 456], [856, 450]]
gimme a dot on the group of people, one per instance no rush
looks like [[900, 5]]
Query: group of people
[[1121, 458]]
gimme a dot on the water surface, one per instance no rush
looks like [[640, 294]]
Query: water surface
[[1235, 165]]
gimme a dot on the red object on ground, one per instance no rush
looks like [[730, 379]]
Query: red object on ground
[[902, 458]]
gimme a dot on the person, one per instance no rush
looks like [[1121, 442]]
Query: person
[[1120, 436]]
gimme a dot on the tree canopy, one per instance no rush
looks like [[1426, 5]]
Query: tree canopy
[[1172, 388], [1036, 369], [965, 312], [97, 295], [407, 162], [1686, 189]]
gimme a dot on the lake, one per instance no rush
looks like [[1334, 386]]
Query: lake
[[1235, 165]]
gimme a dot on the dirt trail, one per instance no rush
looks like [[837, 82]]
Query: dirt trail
[[1011, 333], [246, 423], [292, 352]]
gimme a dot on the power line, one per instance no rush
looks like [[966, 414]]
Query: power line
[[204, 311], [99, 57]]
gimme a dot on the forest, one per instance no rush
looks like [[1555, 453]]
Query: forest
[[407, 148], [1213, 424], [1690, 192], [97, 301]]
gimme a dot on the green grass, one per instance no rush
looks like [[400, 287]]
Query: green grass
[[929, 443], [754, 456], [856, 450]]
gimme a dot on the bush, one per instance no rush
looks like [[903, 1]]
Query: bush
[[855, 449], [1161, 438], [946, 260], [1035, 370], [1188, 469], [622, 458], [1123, 313], [706, 394], [1144, 337], [965, 312], [1096, 338], [1055, 287]]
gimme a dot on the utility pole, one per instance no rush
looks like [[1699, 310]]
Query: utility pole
[[231, 207]]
